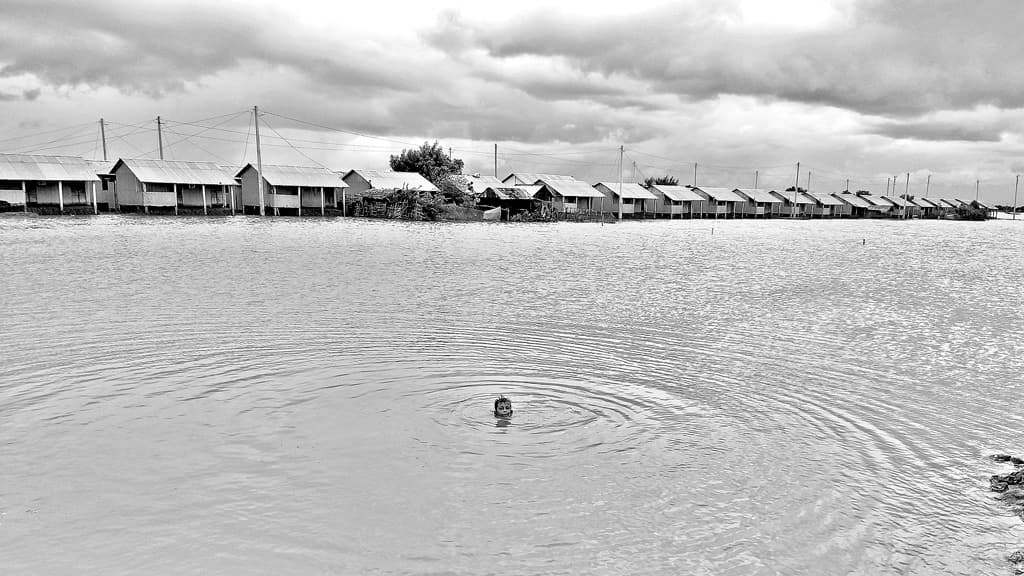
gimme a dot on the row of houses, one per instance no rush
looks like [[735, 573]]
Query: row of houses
[[566, 194], [65, 183]]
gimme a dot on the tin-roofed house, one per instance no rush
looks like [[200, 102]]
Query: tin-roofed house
[[796, 204], [49, 183], [904, 208], [637, 201], [880, 206], [172, 184], [858, 206], [570, 196], [828, 206], [926, 208], [374, 184], [513, 200], [760, 203], [291, 189], [477, 184], [721, 202], [677, 201]]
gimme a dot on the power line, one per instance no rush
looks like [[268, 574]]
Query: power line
[[267, 124]]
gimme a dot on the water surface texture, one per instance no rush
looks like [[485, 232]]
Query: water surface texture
[[286, 396]]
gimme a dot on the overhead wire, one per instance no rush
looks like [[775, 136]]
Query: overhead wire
[[272, 129]]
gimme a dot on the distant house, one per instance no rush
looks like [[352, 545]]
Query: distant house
[[796, 203], [291, 188], [361, 182], [569, 195], [904, 208], [673, 201], [880, 205], [54, 181], [514, 199], [828, 206], [172, 184], [926, 208], [478, 183], [636, 200], [530, 178], [858, 206], [760, 203], [721, 202]]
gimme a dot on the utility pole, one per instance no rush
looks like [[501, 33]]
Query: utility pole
[[694, 174], [634, 171], [103, 137], [847, 185], [796, 188], [808, 189], [755, 179], [927, 185], [977, 189], [495, 159], [906, 195], [259, 158], [886, 185], [1015, 185], [622, 150], [160, 137]]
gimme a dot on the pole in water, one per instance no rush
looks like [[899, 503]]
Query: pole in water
[[864, 241]]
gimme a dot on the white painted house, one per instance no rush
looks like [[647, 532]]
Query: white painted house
[[636, 200]]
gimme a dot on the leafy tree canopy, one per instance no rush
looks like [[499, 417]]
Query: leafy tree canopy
[[430, 161], [662, 181]]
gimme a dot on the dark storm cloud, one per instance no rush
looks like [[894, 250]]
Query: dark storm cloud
[[161, 47], [887, 57]]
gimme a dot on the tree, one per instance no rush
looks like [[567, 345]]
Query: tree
[[661, 181], [790, 189], [430, 161]]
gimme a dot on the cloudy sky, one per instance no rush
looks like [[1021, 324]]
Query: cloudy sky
[[858, 89]]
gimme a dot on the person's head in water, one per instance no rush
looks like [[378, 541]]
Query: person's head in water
[[502, 407]]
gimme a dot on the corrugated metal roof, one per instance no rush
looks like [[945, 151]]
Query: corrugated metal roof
[[178, 172], [678, 193], [854, 200], [313, 177], [573, 188], [899, 201], [480, 183], [391, 180], [923, 202], [947, 202], [29, 167], [531, 178], [825, 199], [800, 197], [721, 194], [505, 192], [879, 201], [758, 195], [629, 190], [102, 166]]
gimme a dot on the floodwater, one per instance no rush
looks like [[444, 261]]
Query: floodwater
[[285, 396]]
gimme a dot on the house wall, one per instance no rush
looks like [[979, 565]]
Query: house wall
[[251, 188], [127, 189], [357, 187]]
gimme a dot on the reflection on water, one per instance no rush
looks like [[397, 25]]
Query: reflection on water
[[293, 396]]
